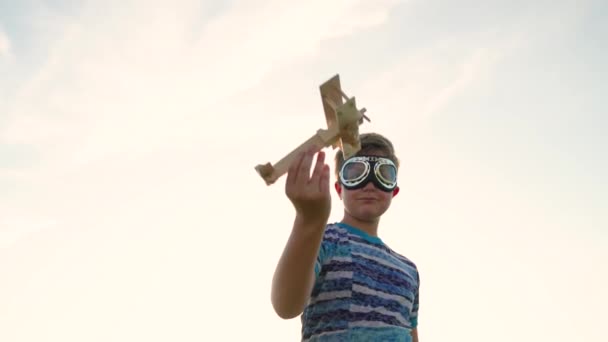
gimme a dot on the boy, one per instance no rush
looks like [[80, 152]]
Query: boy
[[343, 280]]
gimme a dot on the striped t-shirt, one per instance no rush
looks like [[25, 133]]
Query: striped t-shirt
[[364, 291]]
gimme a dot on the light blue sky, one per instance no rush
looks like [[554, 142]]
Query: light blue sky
[[128, 138]]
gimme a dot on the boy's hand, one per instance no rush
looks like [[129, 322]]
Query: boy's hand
[[294, 275], [309, 194]]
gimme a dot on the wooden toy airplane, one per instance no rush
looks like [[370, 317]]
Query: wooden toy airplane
[[343, 120]]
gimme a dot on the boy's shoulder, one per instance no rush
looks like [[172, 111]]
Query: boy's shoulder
[[337, 231]]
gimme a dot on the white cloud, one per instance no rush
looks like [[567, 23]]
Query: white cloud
[[424, 81], [5, 44], [15, 228], [112, 86], [130, 94], [480, 61]]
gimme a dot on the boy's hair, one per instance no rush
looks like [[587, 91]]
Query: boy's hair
[[370, 142]]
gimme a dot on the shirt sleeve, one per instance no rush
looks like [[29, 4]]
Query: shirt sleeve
[[416, 304], [324, 252], [321, 257]]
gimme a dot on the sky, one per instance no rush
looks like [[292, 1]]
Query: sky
[[130, 209]]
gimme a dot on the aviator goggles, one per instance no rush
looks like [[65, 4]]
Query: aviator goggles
[[357, 171]]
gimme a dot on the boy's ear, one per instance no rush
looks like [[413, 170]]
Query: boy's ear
[[395, 191], [338, 188]]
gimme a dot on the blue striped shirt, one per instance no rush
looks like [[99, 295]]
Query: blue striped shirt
[[364, 291]]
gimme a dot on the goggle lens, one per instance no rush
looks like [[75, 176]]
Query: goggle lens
[[387, 172], [357, 171]]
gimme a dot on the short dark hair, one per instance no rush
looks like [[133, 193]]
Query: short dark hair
[[370, 142]]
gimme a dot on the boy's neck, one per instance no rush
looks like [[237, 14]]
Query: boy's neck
[[370, 227]]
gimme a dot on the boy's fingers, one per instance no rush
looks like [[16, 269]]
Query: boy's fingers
[[304, 167], [324, 179], [292, 173], [318, 167]]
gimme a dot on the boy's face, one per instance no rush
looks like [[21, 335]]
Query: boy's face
[[367, 203]]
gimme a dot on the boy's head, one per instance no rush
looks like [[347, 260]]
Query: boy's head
[[366, 182]]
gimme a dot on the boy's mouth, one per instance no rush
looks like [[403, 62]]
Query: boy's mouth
[[367, 199]]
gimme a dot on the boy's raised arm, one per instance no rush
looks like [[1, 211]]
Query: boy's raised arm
[[294, 275]]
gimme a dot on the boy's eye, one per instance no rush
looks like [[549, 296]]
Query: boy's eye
[[354, 170], [388, 172]]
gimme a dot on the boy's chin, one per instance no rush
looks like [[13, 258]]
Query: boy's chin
[[367, 214]]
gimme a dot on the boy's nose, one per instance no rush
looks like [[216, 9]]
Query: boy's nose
[[369, 186]]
